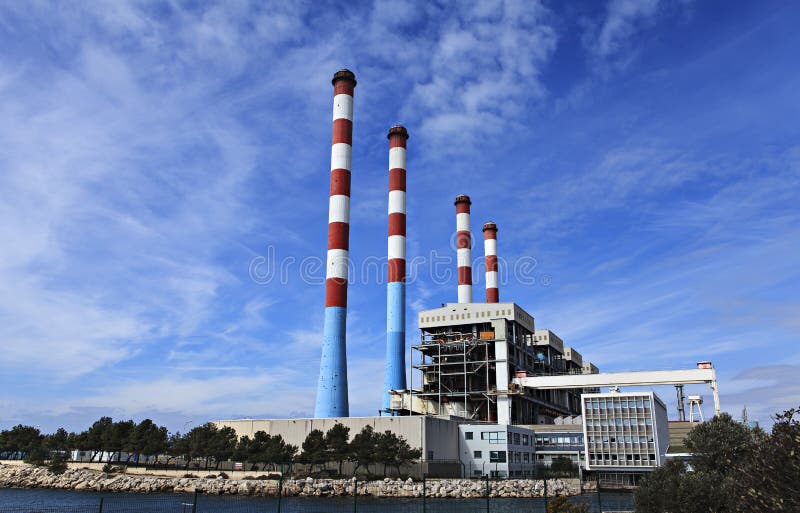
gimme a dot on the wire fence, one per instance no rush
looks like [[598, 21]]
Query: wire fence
[[202, 503]]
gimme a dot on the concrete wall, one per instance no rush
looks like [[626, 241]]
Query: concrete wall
[[437, 438]]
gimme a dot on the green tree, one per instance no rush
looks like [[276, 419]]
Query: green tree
[[719, 445], [337, 444], [314, 449], [363, 448], [562, 465], [770, 479], [659, 491], [97, 438], [27, 441], [58, 441]]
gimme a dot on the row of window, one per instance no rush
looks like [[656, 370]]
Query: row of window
[[619, 422], [468, 315], [565, 440], [499, 437], [612, 459], [621, 439], [616, 404], [500, 456]]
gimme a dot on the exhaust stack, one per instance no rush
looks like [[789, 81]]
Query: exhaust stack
[[396, 287], [463, 249], [490, 252], [332, 398]]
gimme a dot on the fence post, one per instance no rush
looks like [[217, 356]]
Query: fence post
[[100, 509], [355, 493], [599, 500], [424, 493], [545, 492], [487, 493], [280, 490], [194, 502]]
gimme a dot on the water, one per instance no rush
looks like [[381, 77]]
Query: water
[[52, 501]]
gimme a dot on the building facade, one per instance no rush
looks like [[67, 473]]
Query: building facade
[[624, 431], [497, 450]]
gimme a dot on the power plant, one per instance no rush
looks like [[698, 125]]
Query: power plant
[[488, 376]]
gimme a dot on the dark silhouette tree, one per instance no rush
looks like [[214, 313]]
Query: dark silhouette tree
[[363, 448], [337, 444], [314, 449]]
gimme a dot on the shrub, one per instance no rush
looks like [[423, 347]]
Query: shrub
[[223, 475], [108, 468], [57, 465], [190, 476], [562, 504]]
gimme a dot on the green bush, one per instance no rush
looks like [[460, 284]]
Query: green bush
[[57, 464]]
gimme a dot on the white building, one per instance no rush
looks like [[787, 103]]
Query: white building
[[624, 431], [497, 450]]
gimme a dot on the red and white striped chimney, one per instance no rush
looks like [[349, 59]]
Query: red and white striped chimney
[[463, 249], [490, 255]]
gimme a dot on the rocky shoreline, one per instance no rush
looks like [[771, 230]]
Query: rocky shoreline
[[28, 476]]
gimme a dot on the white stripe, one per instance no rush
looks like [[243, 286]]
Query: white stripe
[[490, 247], [397, 246], [491, 279], [336, 266], [343, 107], [397, 202], [465, 293], [339, 209], [464, 257], [397, 158], [462, 222], [341, 156]]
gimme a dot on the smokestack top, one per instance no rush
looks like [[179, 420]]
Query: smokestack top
[[463, 198], [397, 130], [344, 74], [490, 226]]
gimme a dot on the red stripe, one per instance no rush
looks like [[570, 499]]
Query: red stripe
[[336, 292], [342, 131], [397, 224], [490, 234], [463, 239], [492, 295], [397, 270], [340, 182], [338, 235], [343, 87], [462, 208], [465, 275], [397, 141], [397, 179], [491, 263]]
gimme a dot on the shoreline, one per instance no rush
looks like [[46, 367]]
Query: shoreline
[[28, 476]]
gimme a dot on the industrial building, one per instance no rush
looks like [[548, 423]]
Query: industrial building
[[493, 395]]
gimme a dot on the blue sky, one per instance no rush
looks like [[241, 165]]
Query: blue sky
[[644, 154]]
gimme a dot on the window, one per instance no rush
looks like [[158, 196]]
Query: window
[[468, 435], [516, 439], [494, 437], [430, 455], [476, 473], [477, 454], [525, 440], [526, 457], [497, 456]]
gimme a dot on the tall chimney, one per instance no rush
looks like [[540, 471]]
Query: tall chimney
[[490, 252], [332, 388], [464, 249], [396, 288]]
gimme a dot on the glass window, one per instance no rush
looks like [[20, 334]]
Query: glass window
[[477, 455], [525, 440], [497, 456], [468, 435], [516, 439], [526, 457], [647, 403]]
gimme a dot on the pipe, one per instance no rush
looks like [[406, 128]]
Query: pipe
[[490, 254], [332, 388], [395, 378], [463, 249]]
